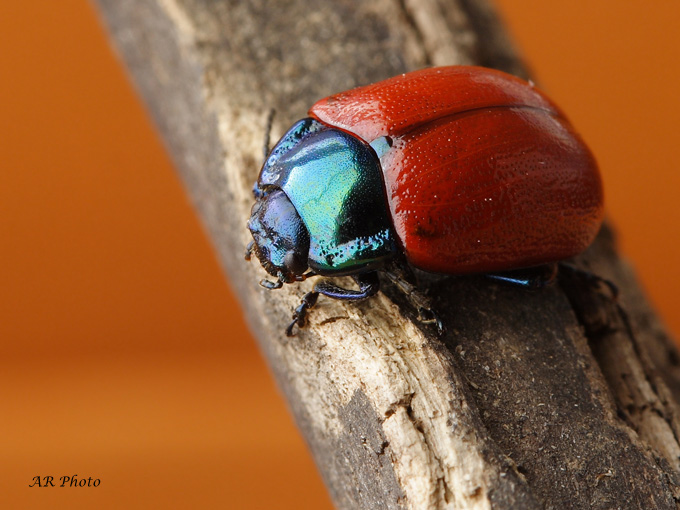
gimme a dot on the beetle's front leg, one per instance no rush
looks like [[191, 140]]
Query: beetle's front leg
[[300, 313], [369, 285], [249, 250]]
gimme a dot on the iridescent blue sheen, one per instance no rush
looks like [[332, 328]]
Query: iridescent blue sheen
[[335, 183], [281, 237]]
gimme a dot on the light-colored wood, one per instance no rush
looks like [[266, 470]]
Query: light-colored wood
[[560, 398]]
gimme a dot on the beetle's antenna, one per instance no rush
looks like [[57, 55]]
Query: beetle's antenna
[[267, 131]]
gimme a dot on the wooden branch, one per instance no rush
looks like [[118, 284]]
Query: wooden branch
[[554, 399]]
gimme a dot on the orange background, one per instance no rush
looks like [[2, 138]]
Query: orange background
[[123, 355]]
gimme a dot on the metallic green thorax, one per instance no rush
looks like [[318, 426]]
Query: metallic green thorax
[[335, 183]]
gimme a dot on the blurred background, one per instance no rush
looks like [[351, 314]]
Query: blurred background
[[123, 354]]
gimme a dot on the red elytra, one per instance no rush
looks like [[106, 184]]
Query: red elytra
[[485, 173]]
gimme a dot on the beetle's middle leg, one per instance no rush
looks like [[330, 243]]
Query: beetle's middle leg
[[402, 277]]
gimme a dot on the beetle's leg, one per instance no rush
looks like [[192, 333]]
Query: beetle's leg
[[249, 250], [529, 278], [368, 286], [400, 276], [270, 285], [303, 277], [300, 313], [591, 278]]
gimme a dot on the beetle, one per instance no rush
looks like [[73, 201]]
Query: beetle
[[454, 170]]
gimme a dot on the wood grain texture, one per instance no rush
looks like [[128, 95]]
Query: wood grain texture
[[554, 399]]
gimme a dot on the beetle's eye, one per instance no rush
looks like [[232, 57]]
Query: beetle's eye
[[294, 262]]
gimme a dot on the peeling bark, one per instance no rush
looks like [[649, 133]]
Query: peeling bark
[[561, 398]]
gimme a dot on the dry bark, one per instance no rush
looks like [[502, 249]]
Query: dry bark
[[561, 398]]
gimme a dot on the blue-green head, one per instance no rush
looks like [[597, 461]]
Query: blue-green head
[[281, 240]]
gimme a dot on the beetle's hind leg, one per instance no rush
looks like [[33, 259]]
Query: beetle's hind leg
[[368, 283], [529, 278], [591, 278], [402, 276], [540, 276]]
